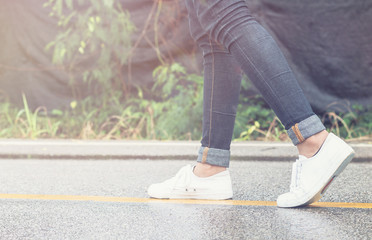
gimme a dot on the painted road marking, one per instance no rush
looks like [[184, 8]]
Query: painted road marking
[[174, 201]]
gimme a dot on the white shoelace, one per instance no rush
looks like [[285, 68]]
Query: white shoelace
[[296, 173], [182, 178]]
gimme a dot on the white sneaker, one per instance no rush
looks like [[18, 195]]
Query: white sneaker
[[312, 176], [187, 185]]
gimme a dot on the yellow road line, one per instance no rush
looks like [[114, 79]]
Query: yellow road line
[[174, 201]]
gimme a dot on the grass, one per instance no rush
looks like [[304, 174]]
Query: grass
[[145, 119]]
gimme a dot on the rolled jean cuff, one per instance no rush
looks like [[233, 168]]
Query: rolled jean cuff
[[214, 156], [305, 129]]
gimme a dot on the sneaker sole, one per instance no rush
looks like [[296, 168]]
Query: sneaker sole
[[320, 193], [201, 196], [177, 194]]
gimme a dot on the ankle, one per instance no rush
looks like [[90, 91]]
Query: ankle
[[207, 170], [311, 145]]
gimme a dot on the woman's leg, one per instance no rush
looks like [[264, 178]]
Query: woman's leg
[[230, 23], [222, 79], [209, 179]]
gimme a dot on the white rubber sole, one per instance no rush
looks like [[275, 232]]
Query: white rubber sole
[[210, 196], [199, 196]]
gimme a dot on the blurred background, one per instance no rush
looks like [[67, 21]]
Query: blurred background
[[128, 69]]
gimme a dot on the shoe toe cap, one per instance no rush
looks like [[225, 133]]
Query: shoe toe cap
[[288, 199], [157, 191]]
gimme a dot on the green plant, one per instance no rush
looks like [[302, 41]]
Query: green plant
[[7, 125], [93, 45], [354, 124], [30, 126], [178, 111], [255, 120]]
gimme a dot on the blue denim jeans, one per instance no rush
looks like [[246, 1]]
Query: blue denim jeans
[[231, 40]]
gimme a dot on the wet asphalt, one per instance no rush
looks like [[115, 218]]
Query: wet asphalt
[[252, 180]]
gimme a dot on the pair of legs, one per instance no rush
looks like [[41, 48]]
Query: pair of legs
[[231, 39]]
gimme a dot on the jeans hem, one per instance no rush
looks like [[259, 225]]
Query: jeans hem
[[305, 129], [214, 156]]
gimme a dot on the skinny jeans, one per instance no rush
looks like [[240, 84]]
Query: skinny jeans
[[232, 40]]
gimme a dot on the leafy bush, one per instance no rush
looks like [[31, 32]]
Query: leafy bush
[[93, 45]]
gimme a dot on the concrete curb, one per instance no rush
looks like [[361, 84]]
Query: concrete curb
[[77, 149]]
